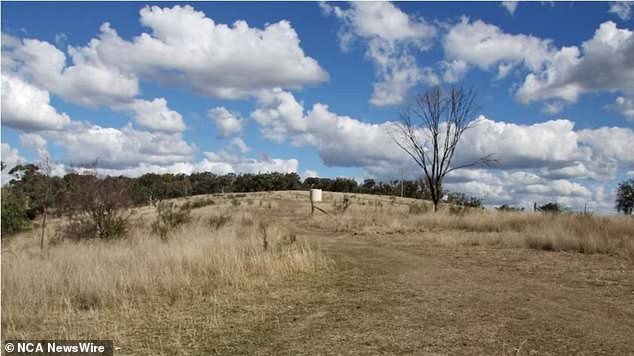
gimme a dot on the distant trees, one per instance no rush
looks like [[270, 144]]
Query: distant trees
[[98, 206], [464, 200], [625, 197], [506, 207], [552, 207], [430, 129]]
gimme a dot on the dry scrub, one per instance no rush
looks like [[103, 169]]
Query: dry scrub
[[556, 232], [115, 279]]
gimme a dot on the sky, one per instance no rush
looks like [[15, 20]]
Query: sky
[[315, 88]]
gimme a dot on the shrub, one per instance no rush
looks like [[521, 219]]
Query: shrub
[[418, 209], [168, 218], [458, 210], [508, 208], [14, 211], [216, 222], [96, 208], [553, 208]]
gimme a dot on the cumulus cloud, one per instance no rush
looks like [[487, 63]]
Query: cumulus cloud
[[88, 81], [510, 6], [114, 148], [27, 107], [603, 63], [622, 9], [36, 143], [391, 36], [309, 173], [550, 160], [232, 159], [556, 75], [340, 140], [155, 115], [10, 157], [454, 70], [522, 146], [487, 47], [523, 188], [227, 122], [188, 48]]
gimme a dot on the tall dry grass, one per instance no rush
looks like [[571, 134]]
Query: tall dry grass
[[557, 232], [200, 259]]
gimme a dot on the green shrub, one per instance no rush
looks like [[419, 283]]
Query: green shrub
[[168, 218], [14, 212]]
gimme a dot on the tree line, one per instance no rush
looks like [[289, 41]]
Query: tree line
[[31, 192]]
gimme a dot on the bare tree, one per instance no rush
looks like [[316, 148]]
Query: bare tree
[[430, 129], [46, 169]]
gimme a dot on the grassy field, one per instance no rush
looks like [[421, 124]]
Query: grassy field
[[376, 275]]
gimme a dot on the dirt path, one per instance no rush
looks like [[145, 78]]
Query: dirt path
[[407, 295]]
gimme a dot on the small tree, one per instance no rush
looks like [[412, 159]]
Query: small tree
[[431, 128], [552, 207], [97, 207], [625, 197]]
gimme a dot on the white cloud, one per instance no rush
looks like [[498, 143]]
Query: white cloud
[[488, 47], [227, 122], [27, 107], [383, 20], [541, 162], [36, 143], [552, 147], [454, 70], [340, 140], [231, 159], [11, 158], [510, 6], [610, 143], [622, 9], [188, 48], [553, 108], [391, 36], [114, 148], [240, 145], [88, 81], [522, 146], [278, 113], [523, 188], [604, 63], [625, 106], [155, 115], [309, 173]]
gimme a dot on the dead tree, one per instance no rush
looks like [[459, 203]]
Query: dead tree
[[430, 129]]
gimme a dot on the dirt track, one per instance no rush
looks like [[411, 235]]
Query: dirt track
[[409, 295]]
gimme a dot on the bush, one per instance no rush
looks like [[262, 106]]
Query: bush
[[168, 218], [508, 208], [418, 208], [553, 208], [96, 208], [216, 222], [14, 211]]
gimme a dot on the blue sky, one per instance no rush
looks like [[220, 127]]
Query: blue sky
[[312, 87]]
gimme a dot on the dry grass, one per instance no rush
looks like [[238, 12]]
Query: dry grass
[[552, 232], [115, 279], [212, 287]]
